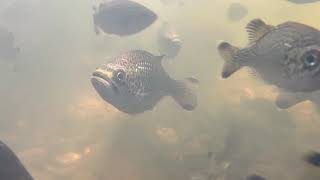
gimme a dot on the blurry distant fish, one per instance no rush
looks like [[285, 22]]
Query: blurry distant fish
[[219, 162], [313, 159], [287, 56], [255, 177], [169, 42], [8, 51], [236, 12], [135, 81], [210, 169], [7, 47], [122, 17], [303, 1], [169, 2], [10, 166]]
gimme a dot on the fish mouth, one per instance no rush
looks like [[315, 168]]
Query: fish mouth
[[102, 80], [101, 75], [109, 91]]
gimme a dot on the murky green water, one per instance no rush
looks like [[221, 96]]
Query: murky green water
[[62, 130]]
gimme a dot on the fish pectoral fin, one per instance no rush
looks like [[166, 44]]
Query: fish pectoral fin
[[286, 100], [184, 93], [228, 53], [257, 29]]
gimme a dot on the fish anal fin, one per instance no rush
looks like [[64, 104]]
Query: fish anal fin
[[286, 100], [257, 29]]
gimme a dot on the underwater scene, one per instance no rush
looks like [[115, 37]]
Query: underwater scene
[[160, 89]]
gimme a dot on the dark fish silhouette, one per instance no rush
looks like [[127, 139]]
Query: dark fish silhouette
[[122, 17], [313, 158], [135, 81], [255, 177], [10, 166]]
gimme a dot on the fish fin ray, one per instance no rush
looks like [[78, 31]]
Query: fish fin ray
[[257, 29]]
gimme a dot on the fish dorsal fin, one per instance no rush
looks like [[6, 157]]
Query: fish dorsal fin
[[257, 29]]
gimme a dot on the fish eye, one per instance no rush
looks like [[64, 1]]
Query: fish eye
[[119, 75], [311, 59]]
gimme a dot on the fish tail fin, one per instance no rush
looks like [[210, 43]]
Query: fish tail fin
[[228, 52], [184, 93]]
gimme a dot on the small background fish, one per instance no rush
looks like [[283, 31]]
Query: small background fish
[[169, 42], [8, 49], [122, 17], [236, 12]]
